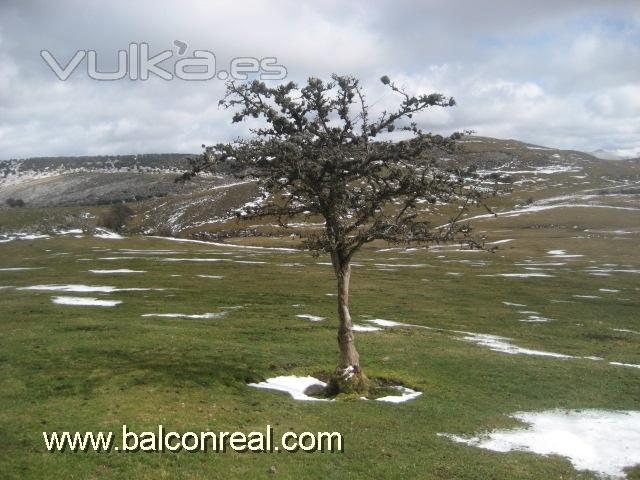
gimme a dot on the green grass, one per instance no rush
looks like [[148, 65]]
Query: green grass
[[94, 369]]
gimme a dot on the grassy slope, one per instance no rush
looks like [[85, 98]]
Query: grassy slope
[[81, 368]]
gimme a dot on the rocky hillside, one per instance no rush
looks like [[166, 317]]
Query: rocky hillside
[[66, 181], [544, 182]]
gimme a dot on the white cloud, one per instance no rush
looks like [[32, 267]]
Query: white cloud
[[555, 73]]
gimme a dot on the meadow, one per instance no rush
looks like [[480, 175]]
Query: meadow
[[92, 368]]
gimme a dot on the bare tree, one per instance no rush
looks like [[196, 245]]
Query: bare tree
[[320, 154]]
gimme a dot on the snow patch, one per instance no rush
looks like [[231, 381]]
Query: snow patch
[[230, 245], [601, 441], [117, 270], [498, 242], [185, 315], [389, 323], [535, 319], [406, 394], [18, 269], [85, 301], [625, 330], [180, 259], [311, 318], [562, 254], [107, 234], [518, 275], [503, 345], [22, 236], [620, 364], [293, 385], [86, 288], [365, 328]]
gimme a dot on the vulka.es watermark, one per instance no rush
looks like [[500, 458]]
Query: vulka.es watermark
[[137, 63]]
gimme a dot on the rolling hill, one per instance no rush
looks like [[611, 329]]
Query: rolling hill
[[549, 188]]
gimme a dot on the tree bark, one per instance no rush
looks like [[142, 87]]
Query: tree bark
[[348, 377], [348, 354]]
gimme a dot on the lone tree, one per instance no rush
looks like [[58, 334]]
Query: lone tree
[[320, 154]]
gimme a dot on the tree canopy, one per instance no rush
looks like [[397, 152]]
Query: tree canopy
[[320, 154]]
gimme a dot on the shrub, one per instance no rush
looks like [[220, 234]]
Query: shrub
[[116, 217], [15, 202]]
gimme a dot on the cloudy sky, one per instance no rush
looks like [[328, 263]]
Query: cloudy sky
[[559, 73]]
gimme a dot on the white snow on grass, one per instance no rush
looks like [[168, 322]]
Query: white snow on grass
[[540, 264], [535, 319], [498, 242], [503, 345], [518, 275], [204, 316], [216, 277], [107, 234], [605, 442], [311, 318], [395, 265], [536, 209], [139, 251], [18, 269], [606, 271], [22, 236], [185, 259], [298, 388], [72, 288], [625, 330], [32, 236], [406, 394], [562, 254], [497, 343], [586, 296], [108, 258], [365, 328], [381, 322], [620, 364], [86, 288], [509, 304], [609, 290], [117, 270], [293, 385], [85, 301], [230, 245]]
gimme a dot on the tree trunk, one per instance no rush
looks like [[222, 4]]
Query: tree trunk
[[348, 377], [349, 358]]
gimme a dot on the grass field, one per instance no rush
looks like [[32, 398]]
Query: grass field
[[81, 368]]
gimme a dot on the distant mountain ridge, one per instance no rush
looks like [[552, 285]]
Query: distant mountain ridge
[[606, 155], [103, 179], [148, 162], [551, 181]]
